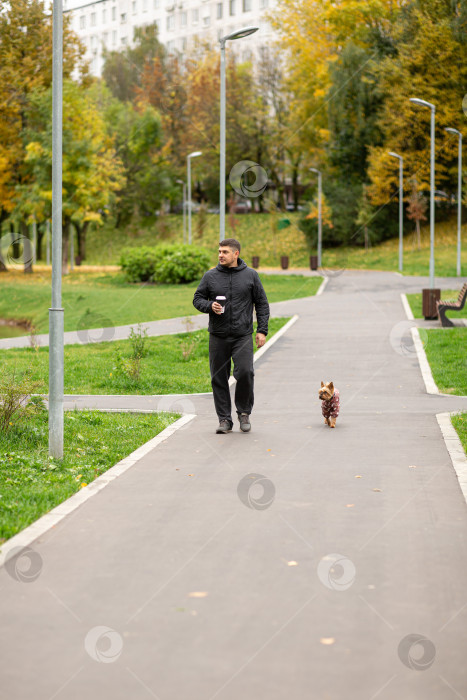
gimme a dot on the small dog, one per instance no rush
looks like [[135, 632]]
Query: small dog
[[329, 403]]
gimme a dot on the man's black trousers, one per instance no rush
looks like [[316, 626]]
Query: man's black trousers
[[221, 352]]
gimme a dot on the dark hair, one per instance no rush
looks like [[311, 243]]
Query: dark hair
[[231, 243]]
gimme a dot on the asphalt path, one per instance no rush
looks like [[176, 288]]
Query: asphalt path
[[292, 562]]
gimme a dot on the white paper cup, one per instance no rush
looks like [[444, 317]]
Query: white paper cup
[[221, 301]]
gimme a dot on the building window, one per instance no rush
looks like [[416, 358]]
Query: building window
[[82, 22], [104, 16], [263, 4], [93, 19], [232, 7], [133, 7], [170, 22], [105, 37], [114, 13], [123, 17], [183, 19], [206, 21], [246, 5], [170, 46], [184, 43], [195, 16], [123, 40], [219, 10], [114, 37], [145, 5], [156, 4]]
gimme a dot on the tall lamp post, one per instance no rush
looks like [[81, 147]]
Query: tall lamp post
[[195, 154], [320, 220], [459, 198], [56, 310], [180, 182], [401, 205], [424, 103], [239, 34]]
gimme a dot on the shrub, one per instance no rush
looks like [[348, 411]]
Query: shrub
[[169, 264], [15, 397]]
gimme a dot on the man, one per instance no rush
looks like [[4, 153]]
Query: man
[[230, 331]]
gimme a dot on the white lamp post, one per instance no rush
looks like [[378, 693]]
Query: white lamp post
[[424, 103], [195, 154], [320, 222], [180, 182], [401, 205], [459, 198], [239, 34]]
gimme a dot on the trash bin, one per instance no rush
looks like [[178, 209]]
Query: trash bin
[[429, 299], [284, 262], [255, 261], [313, 262]]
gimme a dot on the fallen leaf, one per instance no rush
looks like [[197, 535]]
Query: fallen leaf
[[292, 563], [358, 476], [197, 594], [412, 466], [190, 474], [376, 489], [350, 505], [327, 640], [268, 450]]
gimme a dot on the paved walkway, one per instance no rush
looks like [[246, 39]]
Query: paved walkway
[[358, 540]]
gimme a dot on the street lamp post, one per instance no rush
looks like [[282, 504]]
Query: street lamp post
[[459, 198], [195, 154], [239, 34], [320, 220], [401, 206], [56, 310], [424, 103], [180, 182]]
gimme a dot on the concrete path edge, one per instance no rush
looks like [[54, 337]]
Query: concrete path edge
[[455, 449], [48, 520]]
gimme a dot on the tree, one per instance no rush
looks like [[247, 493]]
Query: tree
[[92, 171], [416, 209]]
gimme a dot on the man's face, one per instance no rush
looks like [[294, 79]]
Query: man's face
[[227, 256]]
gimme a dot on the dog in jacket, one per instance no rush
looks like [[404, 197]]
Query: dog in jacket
[[329, 403]]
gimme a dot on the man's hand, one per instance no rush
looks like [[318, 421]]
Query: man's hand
[[216, 307], [260, 340]]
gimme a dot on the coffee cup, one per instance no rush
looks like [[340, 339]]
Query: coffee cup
[[221, 301]]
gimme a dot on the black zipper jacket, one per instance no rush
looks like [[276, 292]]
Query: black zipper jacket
[[242, 288]]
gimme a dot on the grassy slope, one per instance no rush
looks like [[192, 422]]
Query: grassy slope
[[97, 300], [31, 485], [460, 424], [447, 355], [258, 238], [92, 368]]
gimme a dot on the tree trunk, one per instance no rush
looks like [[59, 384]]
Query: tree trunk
[[417, 228], [81, 235], [27, 250]]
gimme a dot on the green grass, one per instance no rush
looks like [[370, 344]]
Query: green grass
[[415, 302], [446, 353], [257, 236], [104, 300], [31, 484], [460, 424], [93, 369]]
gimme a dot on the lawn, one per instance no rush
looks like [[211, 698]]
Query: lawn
[[96, 300], [95, 368], [31, 484], [258, 237], [460, 424], [447, 355], [415, 301]]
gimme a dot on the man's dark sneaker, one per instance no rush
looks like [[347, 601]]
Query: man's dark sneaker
[[245, 424], [224, 427]]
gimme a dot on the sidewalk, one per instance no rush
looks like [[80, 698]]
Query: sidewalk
[[212, 586]]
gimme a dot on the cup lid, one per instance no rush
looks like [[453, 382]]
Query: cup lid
[[221, 297]]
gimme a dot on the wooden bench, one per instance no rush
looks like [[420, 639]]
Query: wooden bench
[[444, 305]]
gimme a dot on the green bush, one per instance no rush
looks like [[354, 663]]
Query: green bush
[[169, 264]]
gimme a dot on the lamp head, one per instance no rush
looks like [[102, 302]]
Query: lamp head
[[194, 154], [315, 170], [452, 131], [394, 155], [239, 34], [423, 103]]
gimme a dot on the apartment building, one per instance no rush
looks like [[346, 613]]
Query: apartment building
[[182, 24]]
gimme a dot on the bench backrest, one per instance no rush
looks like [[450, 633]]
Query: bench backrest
[[462, 294]]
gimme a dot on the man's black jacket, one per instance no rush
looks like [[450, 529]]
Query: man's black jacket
[[242, 288]]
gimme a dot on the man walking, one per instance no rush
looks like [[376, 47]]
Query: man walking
[[230, 328]]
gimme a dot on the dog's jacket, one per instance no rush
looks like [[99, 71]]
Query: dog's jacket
[[330, 407]]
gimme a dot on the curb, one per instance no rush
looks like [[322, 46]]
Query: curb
[[50, 519], [425, 368], [455, 449], [322, 286], [407, 309]]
